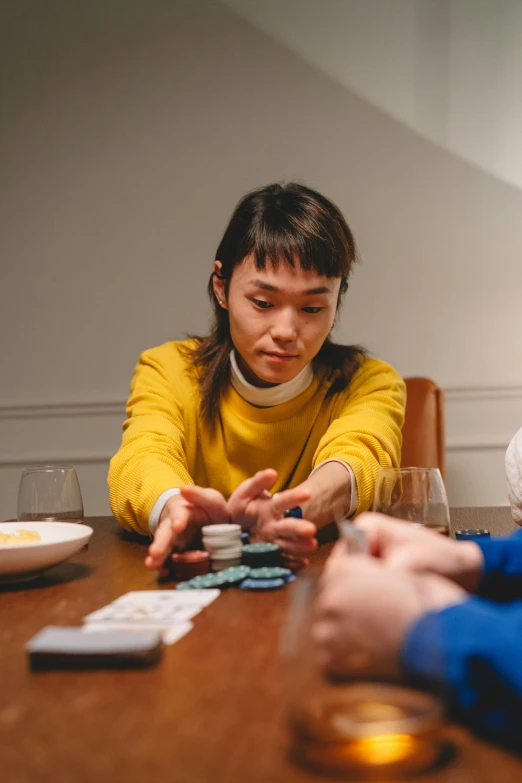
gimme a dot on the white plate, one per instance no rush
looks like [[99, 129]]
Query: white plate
[[60, 540]]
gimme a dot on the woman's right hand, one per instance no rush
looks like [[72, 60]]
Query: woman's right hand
[[252, 507], [182, 518]]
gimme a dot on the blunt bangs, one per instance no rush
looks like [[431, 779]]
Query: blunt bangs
[[292, 224]]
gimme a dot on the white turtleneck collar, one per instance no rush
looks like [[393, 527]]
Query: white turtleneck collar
[[273, 395]]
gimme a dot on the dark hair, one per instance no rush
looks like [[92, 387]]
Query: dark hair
[[276, 224]]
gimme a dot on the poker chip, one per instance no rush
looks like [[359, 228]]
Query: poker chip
[[260, 548], [223, 543], [224, 565], [262, 554], [290, 578], [471, 535], [220, 530], [236, 574], [191, 556], [270, 573], [185, 565], [209, 580], [203, 582], [262, 584]]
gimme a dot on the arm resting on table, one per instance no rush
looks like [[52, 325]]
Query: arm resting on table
[[473, 650], [366, 435]]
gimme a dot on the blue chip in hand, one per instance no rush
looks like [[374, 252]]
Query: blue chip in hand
[[296, 512]]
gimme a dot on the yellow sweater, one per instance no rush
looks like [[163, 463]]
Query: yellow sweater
[[166, 443]]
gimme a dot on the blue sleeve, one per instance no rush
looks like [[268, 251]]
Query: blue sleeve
[[502, 576], [473, 650]]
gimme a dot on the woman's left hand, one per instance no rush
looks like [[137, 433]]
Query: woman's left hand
[[252, 507]]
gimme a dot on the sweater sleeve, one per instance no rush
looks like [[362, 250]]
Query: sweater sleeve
[[366, 432], [151, 458], [502, 571], [472, 650]]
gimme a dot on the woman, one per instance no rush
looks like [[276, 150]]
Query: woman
[[265, 401]]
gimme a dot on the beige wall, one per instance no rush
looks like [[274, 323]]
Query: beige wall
[[449, 69], [130, 130]]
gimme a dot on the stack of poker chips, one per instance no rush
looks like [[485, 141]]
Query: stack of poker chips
[[264, 578], [187, 565], [262, 555], [223, 543]]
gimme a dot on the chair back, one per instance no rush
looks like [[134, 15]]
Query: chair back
[[423, 431]]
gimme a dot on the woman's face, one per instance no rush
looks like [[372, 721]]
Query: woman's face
[[279, 318]]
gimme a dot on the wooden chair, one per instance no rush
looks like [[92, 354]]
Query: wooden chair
[[423, 431]]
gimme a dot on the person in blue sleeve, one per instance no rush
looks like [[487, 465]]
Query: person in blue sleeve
[[432, 609]]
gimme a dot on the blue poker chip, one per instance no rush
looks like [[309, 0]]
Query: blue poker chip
[[262, 584], [290, 578], [471, 535], [245, 537], [296, 512]]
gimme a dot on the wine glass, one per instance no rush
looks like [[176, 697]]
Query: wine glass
[[351, 723], [417, 495], [50, 493]]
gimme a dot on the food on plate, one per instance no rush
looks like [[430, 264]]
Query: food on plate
[[19, 538]]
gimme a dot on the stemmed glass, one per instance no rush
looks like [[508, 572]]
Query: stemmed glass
[[417, 495], [50, 493]]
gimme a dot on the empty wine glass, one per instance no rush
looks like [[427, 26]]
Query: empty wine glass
[[50, 493], [417, 495]]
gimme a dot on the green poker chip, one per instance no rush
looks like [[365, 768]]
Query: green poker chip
[[185, 586], [204, 582], [235, 574], [267, 572], [208, 580], [254, 549]]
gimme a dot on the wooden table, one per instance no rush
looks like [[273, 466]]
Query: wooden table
[[211, 711]]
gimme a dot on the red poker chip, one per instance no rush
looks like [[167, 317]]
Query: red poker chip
[[186, 565], [192, 556]]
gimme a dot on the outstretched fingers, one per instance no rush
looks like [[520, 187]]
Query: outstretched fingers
[[294, 536], [165, 538], [252, 488], [209, 501]]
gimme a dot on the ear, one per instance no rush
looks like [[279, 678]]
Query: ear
[[218, 284]]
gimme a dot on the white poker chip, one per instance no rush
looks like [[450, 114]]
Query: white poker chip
[[219, 530], [225, 554]]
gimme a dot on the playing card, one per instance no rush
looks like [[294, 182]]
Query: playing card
[[153, 607], [134, 613], [169, 597]]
